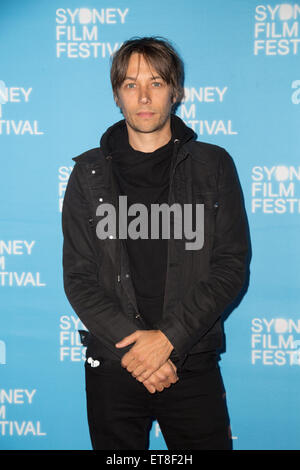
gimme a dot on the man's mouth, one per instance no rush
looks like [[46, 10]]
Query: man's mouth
[[145, 114]]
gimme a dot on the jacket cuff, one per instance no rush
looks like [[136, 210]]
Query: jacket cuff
[[176, 335]]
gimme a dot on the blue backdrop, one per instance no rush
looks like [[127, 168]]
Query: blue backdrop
[[242, 93]]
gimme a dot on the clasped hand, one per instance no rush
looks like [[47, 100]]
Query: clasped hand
[[148, 361]]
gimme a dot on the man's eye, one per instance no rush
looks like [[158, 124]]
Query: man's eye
[[130, 85], [156, 84]]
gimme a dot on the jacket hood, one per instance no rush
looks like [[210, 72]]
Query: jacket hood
[[111, 140]]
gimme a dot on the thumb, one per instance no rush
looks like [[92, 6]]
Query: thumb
[[127, 340], [173, 366]]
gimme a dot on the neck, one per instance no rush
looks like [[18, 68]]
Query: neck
[[148, 142]]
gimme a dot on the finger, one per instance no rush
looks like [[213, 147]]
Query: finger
[[127, 340], [172, 365], [138, 371], [154, 382], [160, 384], [146, 374], [162, 376], [149, 387], [127, 358], [133, 365], [167, 384], [169, 373], [173, 378]]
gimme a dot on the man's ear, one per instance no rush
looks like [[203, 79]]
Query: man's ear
[[116, 100], [174, 97]]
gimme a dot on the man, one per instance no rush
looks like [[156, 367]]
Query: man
[[152, 307]]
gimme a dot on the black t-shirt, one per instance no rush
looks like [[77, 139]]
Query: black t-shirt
[[144, 178]]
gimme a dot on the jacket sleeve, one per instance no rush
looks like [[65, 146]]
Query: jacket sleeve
[[205, 301], [99, 312]]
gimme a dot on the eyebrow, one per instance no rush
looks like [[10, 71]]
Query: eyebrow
[[152, 78]]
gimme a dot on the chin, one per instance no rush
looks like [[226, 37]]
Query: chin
[[147, 127]]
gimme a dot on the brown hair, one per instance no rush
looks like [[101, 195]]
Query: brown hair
[[159, 53]]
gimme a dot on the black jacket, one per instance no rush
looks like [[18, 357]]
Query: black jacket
[[200, 284]]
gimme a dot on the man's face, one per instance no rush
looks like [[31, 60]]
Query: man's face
[[144, 97]]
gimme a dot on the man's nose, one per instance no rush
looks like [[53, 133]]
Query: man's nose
[[144, 95]]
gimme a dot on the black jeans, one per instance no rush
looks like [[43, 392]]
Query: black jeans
[[192, 413]]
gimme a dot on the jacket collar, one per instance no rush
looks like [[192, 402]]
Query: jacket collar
[[181, 134]]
